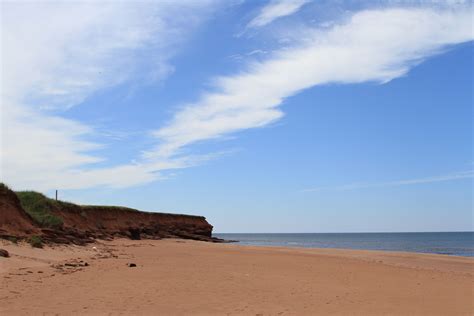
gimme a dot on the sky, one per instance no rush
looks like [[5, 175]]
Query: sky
[[263, 116]]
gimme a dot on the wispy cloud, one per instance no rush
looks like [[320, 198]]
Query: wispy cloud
[[82, 48], [372, 45], [356, 186], [275, 10], [57, 54]]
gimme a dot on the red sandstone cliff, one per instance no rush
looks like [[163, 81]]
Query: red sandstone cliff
[[81, 224], [105, 222], [14, 221]]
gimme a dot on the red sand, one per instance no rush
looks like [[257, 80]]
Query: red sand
[[176, 277]]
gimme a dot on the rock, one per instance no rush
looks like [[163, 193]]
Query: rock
[[131, 265], [134, 233], [4, 253], [60, 240]]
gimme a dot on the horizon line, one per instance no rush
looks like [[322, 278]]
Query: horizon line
[[386, 232]]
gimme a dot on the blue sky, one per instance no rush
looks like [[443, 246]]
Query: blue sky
[[263, 116]]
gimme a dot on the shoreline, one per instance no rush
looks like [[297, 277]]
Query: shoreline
[[182, 277], [445, 243], [237, 243], [406, 259]]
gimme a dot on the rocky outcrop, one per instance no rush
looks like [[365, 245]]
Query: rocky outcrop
[[82, 224]]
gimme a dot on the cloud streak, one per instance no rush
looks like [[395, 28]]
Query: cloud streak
[[357, 186], [82, 48], [371, 46], [276, 9]]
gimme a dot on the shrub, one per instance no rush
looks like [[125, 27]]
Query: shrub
[[13, 239], [35, 241], [39, 207]]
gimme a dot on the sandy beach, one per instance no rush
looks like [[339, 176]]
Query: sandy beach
[[178, 277]]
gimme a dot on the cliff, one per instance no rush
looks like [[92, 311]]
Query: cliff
[[14, 221], [31, 213]]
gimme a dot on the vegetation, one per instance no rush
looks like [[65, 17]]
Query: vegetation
[[39, 207], [3, 187], [35, 241], [108, 208], [13, 239]]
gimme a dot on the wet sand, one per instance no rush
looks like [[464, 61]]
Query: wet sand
[[177, 277]]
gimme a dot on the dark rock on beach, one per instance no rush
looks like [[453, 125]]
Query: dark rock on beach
[[4, 253]]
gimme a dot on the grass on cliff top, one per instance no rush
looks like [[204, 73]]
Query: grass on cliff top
[[108, 208], [4, 187], [40, 207]]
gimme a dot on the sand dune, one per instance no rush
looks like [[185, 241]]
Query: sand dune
[[176, 277]]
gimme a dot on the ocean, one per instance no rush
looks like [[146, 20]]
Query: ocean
[[446, 243]]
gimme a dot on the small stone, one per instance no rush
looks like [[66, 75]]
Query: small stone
[[4, 253], [132, 265]]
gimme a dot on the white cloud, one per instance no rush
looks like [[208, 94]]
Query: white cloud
[[355, 186], [376, 45], [54, 55], [83, 47], [274, 10]]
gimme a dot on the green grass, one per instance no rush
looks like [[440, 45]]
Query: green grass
[[39, 207], [13, 239], [35, 241], [3, 187]]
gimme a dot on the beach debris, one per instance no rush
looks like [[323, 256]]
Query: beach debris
[[4, 253], [131, 265], [76, 264], [70, 266], [94, 248], [105, 254]]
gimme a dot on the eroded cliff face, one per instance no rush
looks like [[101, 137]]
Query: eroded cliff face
[[90, 222], [81, 224], [14, 221]]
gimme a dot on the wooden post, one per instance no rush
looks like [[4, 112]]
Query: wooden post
[[56, 195]]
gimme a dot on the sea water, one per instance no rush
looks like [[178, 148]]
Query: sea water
[[447, 243]]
